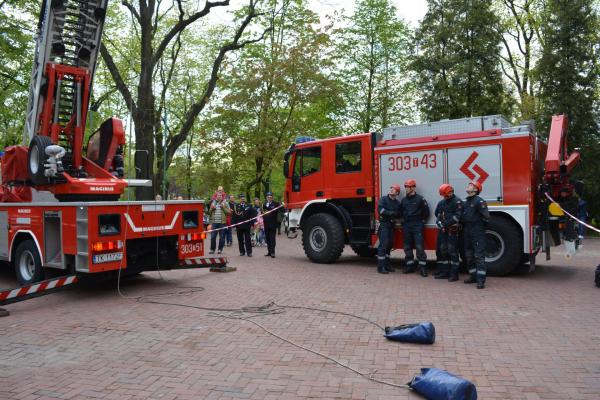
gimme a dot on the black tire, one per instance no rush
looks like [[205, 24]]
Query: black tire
[[364, 250], [323, 238], [504, 246], [28, 263], [36, 158]]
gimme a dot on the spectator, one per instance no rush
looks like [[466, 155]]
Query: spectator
[[582, 215], [259, 232], [243, 215], [270, 209], [228, 235], [219, 208], [158, 197]]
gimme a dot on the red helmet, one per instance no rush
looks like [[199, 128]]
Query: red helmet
[[410, 182], [396, 187], [477, 185], [445, 189]]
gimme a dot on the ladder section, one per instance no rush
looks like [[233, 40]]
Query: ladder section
[[69, 33]]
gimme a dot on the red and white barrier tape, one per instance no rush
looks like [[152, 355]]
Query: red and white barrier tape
[[203, 261], [243, 222], [572, 216]]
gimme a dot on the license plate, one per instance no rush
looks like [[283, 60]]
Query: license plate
[[108, 257]]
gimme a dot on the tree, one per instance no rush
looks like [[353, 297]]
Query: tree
[[520, 22], [457, 62], [279, 88], [157, 29], [569, 74], [16, 33], [374, 51]]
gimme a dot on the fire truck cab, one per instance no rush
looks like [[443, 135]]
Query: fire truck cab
[[333, 185]]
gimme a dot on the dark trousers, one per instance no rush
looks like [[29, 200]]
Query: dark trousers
[[270, 235], [228, 236], [244, 241], [386, 235], [213, 237], [413, 239], [474, 238], [447, 253]]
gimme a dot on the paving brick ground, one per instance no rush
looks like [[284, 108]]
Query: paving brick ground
[[525, 337]]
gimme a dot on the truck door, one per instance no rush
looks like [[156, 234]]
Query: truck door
[[307, 175], [352, 176]]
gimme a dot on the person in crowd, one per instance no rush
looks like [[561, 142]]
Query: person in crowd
[[582, 215], [569, 203], [218, 210], [475, 216], [388, 209], [414, 211], [448, 214], [158, 197], [259, 228], [228, 231], [243, 215], [270, 209]]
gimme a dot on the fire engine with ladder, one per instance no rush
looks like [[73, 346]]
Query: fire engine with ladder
[[332, 185], [59, 203]]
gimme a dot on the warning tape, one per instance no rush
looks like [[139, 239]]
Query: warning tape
[[243, 222], [24, 292], [572, 216]]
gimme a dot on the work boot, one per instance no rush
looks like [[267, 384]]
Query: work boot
[[480, 285], [442, 276], [453, 278], [470, 279], [423, 272], [389, 268], [408, 270], [382, 270]]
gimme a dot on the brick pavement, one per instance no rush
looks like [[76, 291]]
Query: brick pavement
[[524, 337]]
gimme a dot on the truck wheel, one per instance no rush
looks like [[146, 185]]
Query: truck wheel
[[28, 264], [323, 238], [364, 250], [37, 158], [503, 247]]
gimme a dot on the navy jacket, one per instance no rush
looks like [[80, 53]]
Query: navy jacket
[[414, 209]]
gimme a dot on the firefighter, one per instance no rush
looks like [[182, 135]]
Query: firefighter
[[475, 216], [448, 214], [414, 211], [243, 215], [270, 221], [388, 208]]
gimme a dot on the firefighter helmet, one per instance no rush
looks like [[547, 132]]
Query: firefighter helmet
[[445, 189], [477, 185], [410, 182], [396, 187]]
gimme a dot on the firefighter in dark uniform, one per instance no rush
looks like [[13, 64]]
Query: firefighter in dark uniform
[[388, 208], [475, 216], [270, 221], [414, 211], [448, 214], [242, 212]]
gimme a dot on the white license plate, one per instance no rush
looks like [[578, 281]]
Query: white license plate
[[108, 257]]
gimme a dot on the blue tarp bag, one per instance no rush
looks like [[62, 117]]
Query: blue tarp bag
[[437, 384], [422, 332]]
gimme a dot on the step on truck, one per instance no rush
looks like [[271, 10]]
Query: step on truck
[[333, 185]]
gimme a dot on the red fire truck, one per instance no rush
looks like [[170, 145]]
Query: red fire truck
[[332, 185], [59, 203]]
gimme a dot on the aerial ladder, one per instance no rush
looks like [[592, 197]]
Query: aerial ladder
[[67, 46]]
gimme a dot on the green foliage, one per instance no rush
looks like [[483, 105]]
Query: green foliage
[[277, 89], [16, 53], [568, 72], [373, 57], [457, 63]]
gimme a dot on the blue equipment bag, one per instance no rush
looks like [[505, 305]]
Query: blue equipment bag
[[422, 332], [437, 384]]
